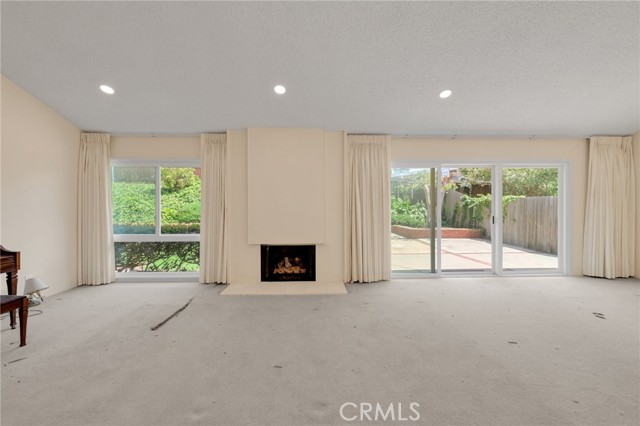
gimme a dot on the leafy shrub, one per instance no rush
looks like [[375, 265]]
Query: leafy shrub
[[134, 228], [408, 220], [180, 208], [181, 228], [405, 213], [149, 228], [180, 196], [471, 211], [157, 256], [133, 202], [178, 178]]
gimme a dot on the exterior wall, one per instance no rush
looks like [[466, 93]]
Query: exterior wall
[[39, 189]]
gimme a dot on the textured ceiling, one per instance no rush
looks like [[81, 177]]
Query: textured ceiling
[[515, 68]]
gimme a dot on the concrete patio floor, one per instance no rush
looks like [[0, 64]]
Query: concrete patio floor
[[462, 254]]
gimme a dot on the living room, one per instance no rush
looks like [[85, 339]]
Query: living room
[[334, 340]]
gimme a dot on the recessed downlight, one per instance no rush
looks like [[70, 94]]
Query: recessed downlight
[[107, 89], [445, 94], [279, 89]]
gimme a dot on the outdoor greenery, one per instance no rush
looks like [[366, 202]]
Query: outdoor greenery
[[134, 202], [409, 193], [471, 211], [410, 186], [134, 205], [403, 212], [134, 212], [157, 256], [527, 181], [180, 200]]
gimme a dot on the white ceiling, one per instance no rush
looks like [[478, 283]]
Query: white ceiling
[[515, 68]]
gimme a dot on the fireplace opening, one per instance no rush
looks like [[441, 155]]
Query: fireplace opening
[[288, 263]]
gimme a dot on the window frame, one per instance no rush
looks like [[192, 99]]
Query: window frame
[[157, 236], [564, 254]]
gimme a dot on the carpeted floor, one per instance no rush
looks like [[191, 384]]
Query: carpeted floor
[[469, 351]]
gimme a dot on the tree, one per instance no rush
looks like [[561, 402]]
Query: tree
[[530, 182], [527, 181]]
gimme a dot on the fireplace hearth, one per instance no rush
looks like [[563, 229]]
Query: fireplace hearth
[[287, 263]]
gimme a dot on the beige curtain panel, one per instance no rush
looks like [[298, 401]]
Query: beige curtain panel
[[213, 222], [96, 259], [367, 209], [609, 229]]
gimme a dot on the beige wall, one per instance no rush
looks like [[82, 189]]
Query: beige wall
[[39, 179], [330, 254], [286, 186], [155, 147], [636, 156], [574, 151]]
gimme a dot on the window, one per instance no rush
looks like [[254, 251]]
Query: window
[[156, 216]]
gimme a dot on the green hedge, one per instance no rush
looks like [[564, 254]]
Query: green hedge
[[149, 228]]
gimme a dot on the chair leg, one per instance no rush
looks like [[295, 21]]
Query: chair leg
[[24, 314]]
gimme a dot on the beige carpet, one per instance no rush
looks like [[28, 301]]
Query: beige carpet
[[284, 289], [470, 351]]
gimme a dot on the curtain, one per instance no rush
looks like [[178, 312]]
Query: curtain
[[96, 259], [213, 223], [609, 229], [367, 208]]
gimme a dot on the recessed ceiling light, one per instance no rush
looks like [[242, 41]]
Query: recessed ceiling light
[[107, 89], [445, 94], [279, 89]]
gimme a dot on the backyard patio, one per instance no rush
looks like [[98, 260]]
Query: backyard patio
[[462, 254]]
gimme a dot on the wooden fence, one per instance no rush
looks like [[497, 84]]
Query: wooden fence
[[530, 223]]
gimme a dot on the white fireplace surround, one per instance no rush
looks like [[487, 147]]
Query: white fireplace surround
[[286, 186]]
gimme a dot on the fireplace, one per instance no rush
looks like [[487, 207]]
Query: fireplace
[[287, 263]]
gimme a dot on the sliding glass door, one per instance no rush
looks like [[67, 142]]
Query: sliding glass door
[[413, 220], [488, 218], [466, 211]]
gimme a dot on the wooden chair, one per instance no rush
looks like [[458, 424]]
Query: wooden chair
[[11, 303]]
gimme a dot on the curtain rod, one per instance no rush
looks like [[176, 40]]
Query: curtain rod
[[393, 135], [163, 135], [491, 136]]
